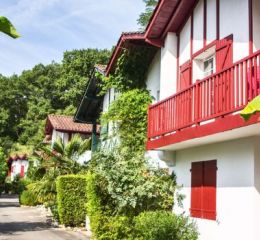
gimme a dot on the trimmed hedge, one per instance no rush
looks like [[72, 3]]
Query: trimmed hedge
[[71, 200]]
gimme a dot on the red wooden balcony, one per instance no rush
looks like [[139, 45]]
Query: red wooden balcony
[[216, 96]]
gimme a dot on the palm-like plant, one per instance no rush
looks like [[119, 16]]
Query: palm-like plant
[[59, 159]]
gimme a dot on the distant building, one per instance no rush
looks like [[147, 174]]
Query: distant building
[[17, 165], [63, 127]]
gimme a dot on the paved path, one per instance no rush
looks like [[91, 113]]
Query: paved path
[[27, 223]]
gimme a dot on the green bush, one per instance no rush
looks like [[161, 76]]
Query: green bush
[[71, 199], [162, 225], [115, 228], [28, 198]]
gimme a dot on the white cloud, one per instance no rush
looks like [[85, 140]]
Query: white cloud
[[49, 27]]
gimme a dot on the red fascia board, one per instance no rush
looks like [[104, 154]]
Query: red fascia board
[[220, 125], [121, 41]]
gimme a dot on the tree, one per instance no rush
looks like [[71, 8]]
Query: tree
[[77, 66], [3, 168], [7, 27], [60, 159], [144, 17]]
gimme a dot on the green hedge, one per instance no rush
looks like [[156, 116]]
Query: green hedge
[[71, 200]]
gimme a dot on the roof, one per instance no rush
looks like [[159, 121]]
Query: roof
[[168, 16], [66, 124], [124, 38], [15, 157], [100, 68], [90, 106]]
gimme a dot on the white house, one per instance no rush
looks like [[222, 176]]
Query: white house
[[64, 127], [17, 165], [206, 69]]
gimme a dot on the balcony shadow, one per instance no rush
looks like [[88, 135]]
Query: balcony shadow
[[11, 228]]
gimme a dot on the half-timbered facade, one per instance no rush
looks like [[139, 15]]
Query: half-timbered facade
[[206, 69]]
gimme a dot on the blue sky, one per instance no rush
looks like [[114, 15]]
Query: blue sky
[[50, 27]]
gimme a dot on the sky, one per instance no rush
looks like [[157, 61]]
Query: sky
[[50, 27]]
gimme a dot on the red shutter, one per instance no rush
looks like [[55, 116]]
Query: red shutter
[[22, 171], [185, 76], [224, 53], [209, 190], [196, 189]]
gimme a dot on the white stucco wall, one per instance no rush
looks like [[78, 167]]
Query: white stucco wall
[[85, 157], [211, 21], [237, 198], [185, 43], [16, 166], [168, 66], [153, 77], [234, 19], [256, 23], [198, 27], [57, 134]]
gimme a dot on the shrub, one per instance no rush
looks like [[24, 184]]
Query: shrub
[[161, 225], [71, 199], [115, 228], [28, 198]]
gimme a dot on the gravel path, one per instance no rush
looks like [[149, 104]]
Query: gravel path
[[29, 223]]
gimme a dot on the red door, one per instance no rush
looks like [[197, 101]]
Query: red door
[[203, 189], [196, 189], [209, 190], [22, 171]]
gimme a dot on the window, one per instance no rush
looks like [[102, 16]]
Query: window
[[203, 189], [209, 66], [204, 64]]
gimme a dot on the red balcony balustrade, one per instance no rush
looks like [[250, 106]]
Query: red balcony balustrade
[[220, 94]]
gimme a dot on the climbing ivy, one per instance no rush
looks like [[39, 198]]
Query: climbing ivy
[[130, 70], [129, 111]]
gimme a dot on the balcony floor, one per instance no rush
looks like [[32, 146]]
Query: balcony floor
[[223, 129]]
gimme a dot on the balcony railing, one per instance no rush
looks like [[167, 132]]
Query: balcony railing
[[220, 94]]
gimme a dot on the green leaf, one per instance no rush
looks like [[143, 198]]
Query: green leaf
[[251, 108], [7, 27]]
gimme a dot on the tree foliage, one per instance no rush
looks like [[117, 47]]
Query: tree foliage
[[3, 168], [251, 108], [27, 99], [129, 112], [8, 28], [146, 15]]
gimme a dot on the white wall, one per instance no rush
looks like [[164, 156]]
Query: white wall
[[16, 165], [185, 43], [234, 19], [85, 157], [198, 27], [211, 21], [168, 83], [256, 23], [236, 192], [153, 77], [57, 134], [257, 188]]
